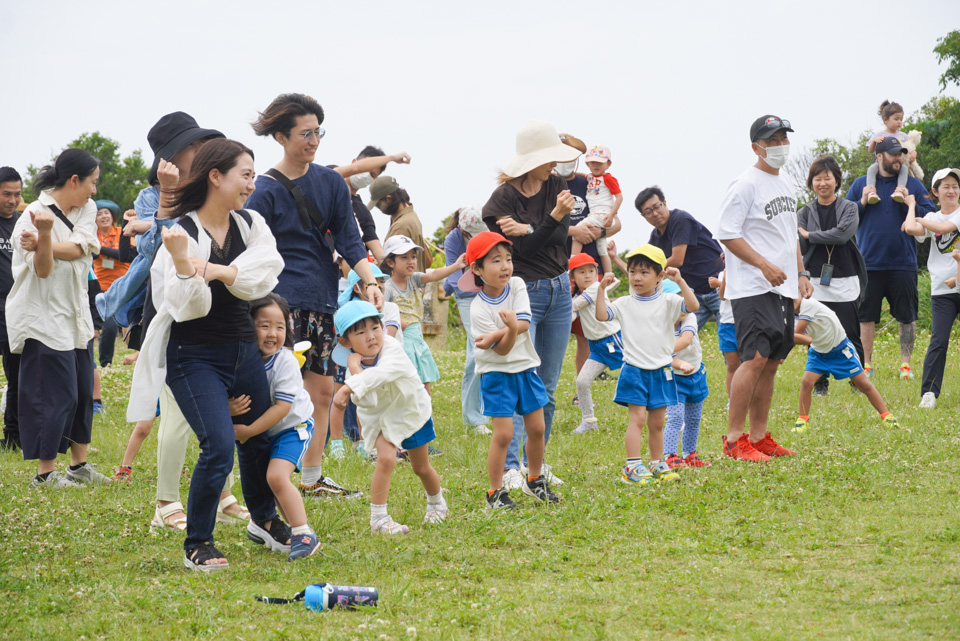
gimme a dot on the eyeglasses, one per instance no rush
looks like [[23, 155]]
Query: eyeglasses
[[310, 135], [652, 208]]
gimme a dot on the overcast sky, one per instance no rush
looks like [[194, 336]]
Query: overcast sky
[[670, 87]]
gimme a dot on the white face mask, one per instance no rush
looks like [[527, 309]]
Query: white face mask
[[359, 181], [777, 156], [565, 169]]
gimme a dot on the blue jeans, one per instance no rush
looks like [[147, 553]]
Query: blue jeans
[[470, 384], [709, 306], [201, 377], [552, 308]]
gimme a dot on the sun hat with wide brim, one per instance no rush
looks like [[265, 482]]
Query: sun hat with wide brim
[[538, 143]]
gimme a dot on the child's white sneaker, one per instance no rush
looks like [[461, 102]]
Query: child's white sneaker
[[587, 425], [386, 525], [436, 512], [928, 401]]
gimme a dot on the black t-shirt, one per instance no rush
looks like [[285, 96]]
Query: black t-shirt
[[6, 255], [842, 258], [542, 254], [368, 228], [228, 320]]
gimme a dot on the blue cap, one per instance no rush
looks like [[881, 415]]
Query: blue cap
[[670, 287], [109, 204], [352, 279], [352, 313]]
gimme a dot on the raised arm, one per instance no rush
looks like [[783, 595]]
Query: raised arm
[[442, 272]]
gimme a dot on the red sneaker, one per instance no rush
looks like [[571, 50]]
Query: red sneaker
[[693, 460], [771, 448], [743, 450], [674, 461]]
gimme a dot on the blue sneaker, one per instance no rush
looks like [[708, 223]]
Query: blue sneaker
[[97, 408], [303, 545], [662, 472], [638, 475]]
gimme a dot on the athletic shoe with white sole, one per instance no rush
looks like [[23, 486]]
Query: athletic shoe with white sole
[[275, 539], [928, 401]]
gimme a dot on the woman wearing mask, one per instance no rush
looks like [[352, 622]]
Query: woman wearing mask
[[387, 196], [531, 207]]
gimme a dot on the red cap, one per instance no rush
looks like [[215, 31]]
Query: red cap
[[582, 259], [482, 243]]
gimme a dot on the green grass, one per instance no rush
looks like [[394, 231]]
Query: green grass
[[856, 538]]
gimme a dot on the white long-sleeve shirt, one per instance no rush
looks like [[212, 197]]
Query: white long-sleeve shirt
[[180, 300], [54, 310], [389, 396]]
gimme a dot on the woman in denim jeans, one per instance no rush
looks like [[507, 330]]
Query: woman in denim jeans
[[202, 341], [531, 207]]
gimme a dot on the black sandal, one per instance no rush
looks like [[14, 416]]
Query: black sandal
[[196, 559]]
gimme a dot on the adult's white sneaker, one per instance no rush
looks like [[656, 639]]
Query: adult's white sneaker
[[928, 401]]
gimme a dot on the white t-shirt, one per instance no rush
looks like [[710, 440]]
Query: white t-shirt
[[762, 209], [485, 318], [940, 263], [646, 324], [585, 305], [692, 353], [823, 326], [286, 384]]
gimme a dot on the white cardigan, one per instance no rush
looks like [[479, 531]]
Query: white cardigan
[[180, 300], [390, 397]]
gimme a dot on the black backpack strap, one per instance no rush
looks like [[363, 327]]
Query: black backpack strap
[[247, 217], [189, 226], [62, 217], [309, 216]]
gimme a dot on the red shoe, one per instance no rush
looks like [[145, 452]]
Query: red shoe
[[771, 448], [693, 460], [742, 449], [674, 461]]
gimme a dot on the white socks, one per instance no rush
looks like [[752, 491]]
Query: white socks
[[311, 475]]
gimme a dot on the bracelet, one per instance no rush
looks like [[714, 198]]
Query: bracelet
[[187, 277], [377, 285]]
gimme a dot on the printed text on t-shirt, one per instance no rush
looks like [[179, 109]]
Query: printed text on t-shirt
[[779, 205]]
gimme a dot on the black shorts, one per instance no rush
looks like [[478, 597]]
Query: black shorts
[[899, 287], [764, 325], [317, 328]]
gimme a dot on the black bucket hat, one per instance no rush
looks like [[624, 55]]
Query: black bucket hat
[[171, 135]]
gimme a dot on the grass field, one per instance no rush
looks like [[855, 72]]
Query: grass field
[[857, 537]]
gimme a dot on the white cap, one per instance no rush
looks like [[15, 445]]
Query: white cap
[[398, 245], [943, 173]]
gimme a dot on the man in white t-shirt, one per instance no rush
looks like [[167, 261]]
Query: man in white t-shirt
[[758, 227]]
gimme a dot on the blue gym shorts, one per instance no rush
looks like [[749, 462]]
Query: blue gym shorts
[[841, 362], [727, 333], [608, 351], [692, 388], [291, 445], [503, 394], [649, 388], [421, 437]]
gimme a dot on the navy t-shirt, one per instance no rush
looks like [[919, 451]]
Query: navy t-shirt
[[6, 273], [702, 259], [578, 189], [309, 277]]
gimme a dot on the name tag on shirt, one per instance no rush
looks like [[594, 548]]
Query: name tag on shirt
[[107, 263]]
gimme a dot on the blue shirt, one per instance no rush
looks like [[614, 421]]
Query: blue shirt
[[883, 245], [309, 277], [453, 246], [702, 259]]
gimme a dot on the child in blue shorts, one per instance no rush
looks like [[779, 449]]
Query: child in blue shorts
[[288, 423], [506, 362], [690, 373], [606, 344], [646, 385], [393, 408], [726, 331], [830, 353]]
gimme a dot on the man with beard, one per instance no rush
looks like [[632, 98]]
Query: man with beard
[[889, 253]]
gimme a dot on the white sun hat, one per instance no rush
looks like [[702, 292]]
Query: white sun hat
[[537, 144]]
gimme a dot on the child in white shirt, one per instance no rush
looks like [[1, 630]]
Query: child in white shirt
[[690, 373], [830, 353], [646, 384], [603, 198], [288, 423], [606, 344], [392, 406], [506, 362]]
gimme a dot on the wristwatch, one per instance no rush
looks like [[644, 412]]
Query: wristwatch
[[804, 273], [529, 229]]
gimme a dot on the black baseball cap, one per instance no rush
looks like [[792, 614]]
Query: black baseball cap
[[889, 145], [765, 126]]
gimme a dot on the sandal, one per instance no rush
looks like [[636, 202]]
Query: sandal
[[124, 473], [161, 514], [196, 559], [223, 517]]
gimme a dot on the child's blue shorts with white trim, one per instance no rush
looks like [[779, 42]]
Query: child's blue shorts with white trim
[[727, 333], [692, 388], [841, 362], [649, 388], [291, 445], [608, 351], [503, 394]]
